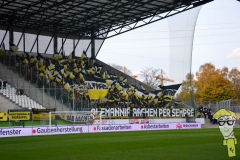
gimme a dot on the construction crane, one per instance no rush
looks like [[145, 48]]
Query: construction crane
[[134, 76], [126, 71], [162, 78]]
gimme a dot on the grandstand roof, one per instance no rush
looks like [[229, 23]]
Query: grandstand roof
[[76, 18]]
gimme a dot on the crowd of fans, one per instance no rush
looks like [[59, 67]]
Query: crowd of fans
[[60, 74], [206, 113]]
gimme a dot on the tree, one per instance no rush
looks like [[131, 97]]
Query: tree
[[121, 68], [148, 77], [212, 84], [187, 88], [224, 72], [234, 76]]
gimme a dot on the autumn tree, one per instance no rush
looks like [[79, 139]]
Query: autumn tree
[[234, 76], [187, 88], [147, 75], [213, 84]]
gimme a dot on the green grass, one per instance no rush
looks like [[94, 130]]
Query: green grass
[[201, 144]]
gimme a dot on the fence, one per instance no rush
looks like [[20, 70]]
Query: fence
[[215, 106]]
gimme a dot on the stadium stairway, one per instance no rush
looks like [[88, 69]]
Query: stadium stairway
[[30, 90], [22, 101], [6, 104]]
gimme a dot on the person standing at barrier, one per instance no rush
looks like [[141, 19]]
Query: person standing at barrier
[[200, 109], [4, 84], [0, 84], [17, 92], [209, 113], [226, 121], [187, 118], [21, 91], [205, 112]]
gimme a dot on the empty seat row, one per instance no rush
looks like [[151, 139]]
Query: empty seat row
[[21, 100]]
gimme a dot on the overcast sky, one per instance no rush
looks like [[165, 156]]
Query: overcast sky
[[216, 40]]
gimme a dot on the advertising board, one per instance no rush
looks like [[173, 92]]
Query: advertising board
[[3, 116], [142, 127], [19, 116], [15, 132], [78, 129], [59, 130]]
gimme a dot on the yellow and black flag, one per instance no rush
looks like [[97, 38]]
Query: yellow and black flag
[[96, 87], [57, 57], [124, 81], [121, 78], [33, 59], [68, 87], [170, 90], [84, 55], [143, 88], [13, 47]]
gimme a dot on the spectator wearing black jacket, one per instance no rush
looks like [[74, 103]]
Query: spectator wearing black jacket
[[0, 84], [4, 84], [205, 112], [21, 91], [209, 113]]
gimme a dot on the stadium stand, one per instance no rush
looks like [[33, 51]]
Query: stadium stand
[[62, 81], [73, 80]]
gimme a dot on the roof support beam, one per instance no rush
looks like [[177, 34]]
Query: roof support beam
[[4, 35], [21, 37], [24, 43], [77, 17], [93, 56], [49, 44], [55, 44], [11, 36], [153, 18], [75, 46], [35, 41], [63, 44]]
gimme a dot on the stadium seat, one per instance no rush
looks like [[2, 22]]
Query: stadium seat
[[20, 100]]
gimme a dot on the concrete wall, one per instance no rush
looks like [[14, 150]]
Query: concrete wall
[[6, 104]]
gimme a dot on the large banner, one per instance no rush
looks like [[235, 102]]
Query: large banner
[[38, 114], [144, 112], [19, 116], [79, 118]]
